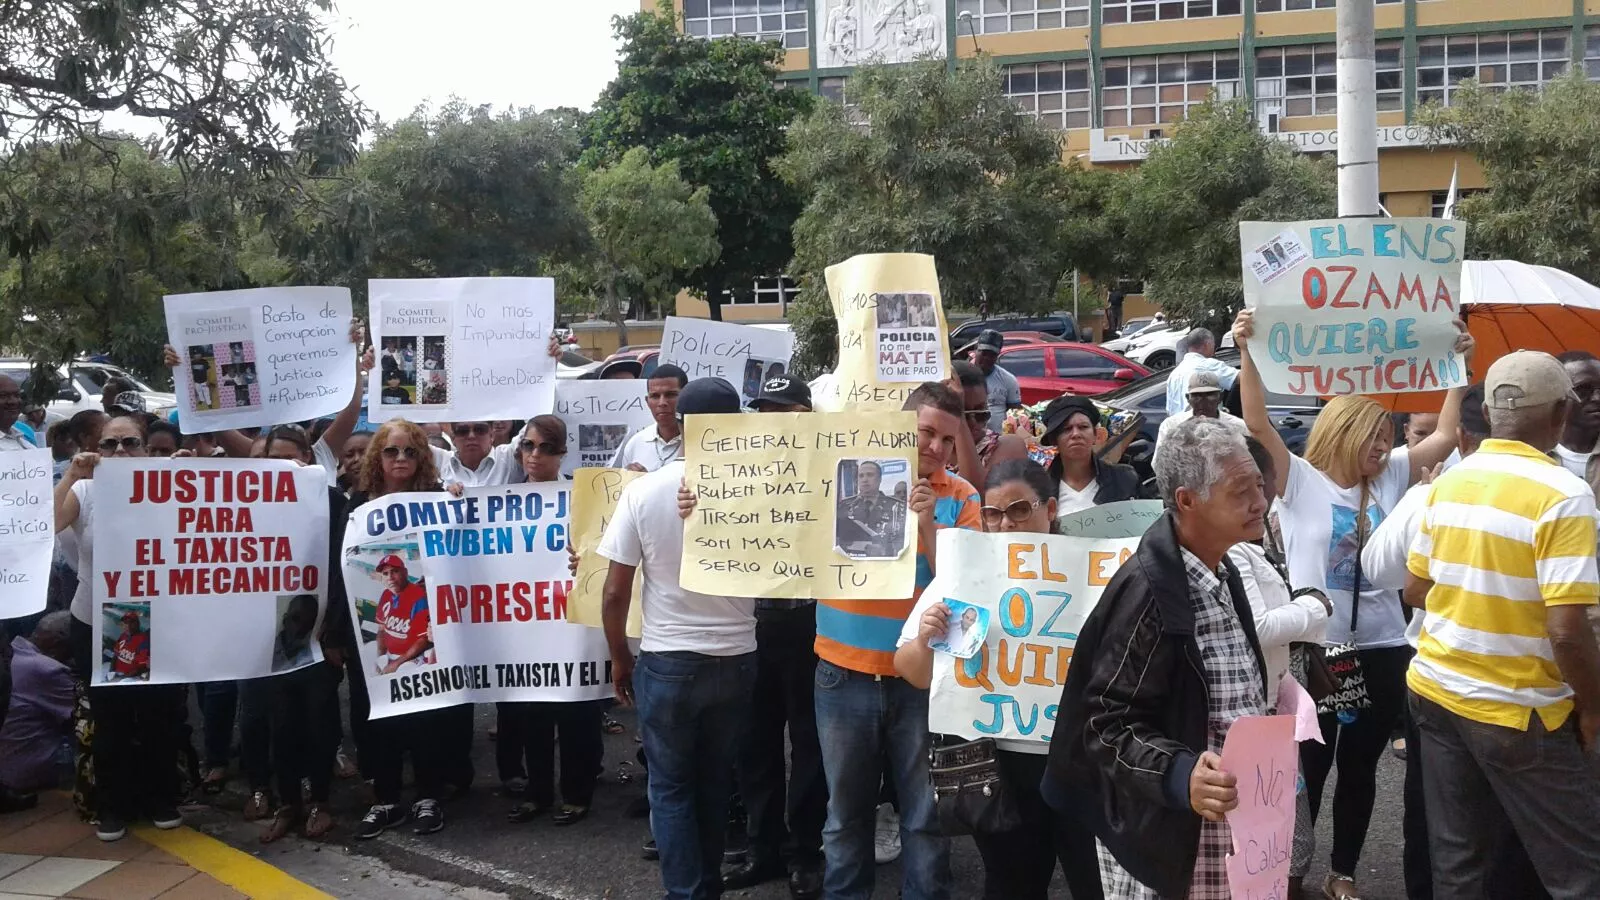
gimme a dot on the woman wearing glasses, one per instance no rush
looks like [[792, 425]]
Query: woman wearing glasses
[[399, 461], [536, 729], [1018, 864], [1082, 478], [135, 727]]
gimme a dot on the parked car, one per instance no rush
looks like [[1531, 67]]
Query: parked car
[[575, 365], [648, 356], [1058, 325], [1290, 414], [1046, 370], [1158, 349], [81, 384]]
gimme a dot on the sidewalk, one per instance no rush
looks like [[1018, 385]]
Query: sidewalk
[[50, 852]]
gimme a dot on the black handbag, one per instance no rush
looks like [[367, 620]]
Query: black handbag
[[1341, 660], [970, 794]]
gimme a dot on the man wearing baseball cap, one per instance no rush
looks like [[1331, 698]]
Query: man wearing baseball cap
[[783, 393], [696, 668], [1004, 392], [403, 621], [131, 656], [1505, 686], [1205, 401]]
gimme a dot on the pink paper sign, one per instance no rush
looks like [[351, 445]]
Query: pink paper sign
[[1294, 701], [1261, 752]]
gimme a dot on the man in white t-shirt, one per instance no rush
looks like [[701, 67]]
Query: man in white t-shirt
[[1583, 423], [1205, 401], [477, 461], [696, 668], [661, 442], [1197, 356]]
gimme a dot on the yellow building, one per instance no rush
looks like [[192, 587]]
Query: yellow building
[[1115, 75]]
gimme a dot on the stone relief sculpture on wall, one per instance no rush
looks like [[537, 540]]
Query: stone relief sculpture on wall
[[892, 31]]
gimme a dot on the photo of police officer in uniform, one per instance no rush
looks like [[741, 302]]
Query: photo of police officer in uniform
[[870, 512]]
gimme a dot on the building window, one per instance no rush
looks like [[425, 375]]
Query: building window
[[1294, 5], [1591, 53], [1001, 16], [1436, 209], [1055, 93], [1302, 81], [1521, 60], [779, 291], [1115, 12], [831, 88], [1390, 77], [1150, 90], [768, 20]]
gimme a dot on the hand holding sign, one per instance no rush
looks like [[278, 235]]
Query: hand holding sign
[[1212, 792]]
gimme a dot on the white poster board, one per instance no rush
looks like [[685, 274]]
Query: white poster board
[[464, 600], [461, 349], [27, 531], [599, 415], [207, 569], [261, 356], [745, 356]]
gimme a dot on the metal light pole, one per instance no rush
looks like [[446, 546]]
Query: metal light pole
[[1357, 109]]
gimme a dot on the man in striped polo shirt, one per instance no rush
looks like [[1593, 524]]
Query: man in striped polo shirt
[[1505, 687], [867, 717]]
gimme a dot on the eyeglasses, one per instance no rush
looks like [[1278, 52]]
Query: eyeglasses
[[111, 445], [974, 415], [397, 452], [478, 429], [548, 448], [1017, 512]]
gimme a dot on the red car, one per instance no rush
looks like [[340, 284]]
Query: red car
[[1045, 371]]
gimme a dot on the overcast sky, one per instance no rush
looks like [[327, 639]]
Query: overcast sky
[[541, 53]]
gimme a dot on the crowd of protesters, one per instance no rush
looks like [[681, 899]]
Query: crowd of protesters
[[1455, 563]]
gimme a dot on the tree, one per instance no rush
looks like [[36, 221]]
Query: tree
[[947, 167], [1177, 215], [646, 224], [1537, 151], [714, 107], [221, 77]]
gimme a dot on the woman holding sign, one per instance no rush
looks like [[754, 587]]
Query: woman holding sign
[[1330, 503], [135, 744], [1018, 864]]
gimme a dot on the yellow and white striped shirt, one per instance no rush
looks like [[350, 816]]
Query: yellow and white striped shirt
[[1505, 534]]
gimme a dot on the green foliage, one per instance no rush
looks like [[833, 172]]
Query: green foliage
[[1538, 152], [947, 167], [715, 108], [646, 224], [1177, 215]]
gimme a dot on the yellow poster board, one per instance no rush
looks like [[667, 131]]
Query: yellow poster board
[[801, 505], [892, 330], [595, 493]]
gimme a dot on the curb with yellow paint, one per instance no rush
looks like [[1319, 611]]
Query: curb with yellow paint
[[235, 868]]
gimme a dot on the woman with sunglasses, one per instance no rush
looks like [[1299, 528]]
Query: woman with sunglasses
[[1018, 864], [1083, 479], [534, 730], [398, 461], [135, 743]]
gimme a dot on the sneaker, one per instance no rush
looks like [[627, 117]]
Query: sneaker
[[428, 817], [886, 839], [110, 828], [166, 818], [379, 819]]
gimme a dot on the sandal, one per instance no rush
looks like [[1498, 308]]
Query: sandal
[[282, 823], [318, 823], [526, 812], [570, 815], [612, 726], [1340, 887], [258, 807], [215, 778]]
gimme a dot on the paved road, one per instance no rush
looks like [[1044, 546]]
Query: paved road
[[599, 858]]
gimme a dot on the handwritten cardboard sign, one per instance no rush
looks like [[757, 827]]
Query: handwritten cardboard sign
[[1354, 306], [27, 531], [892, 330], [801, 505], [1039, 589], [260, 356], [745, 356], [1126, 518], [595, 493], [1260, 751], [599, 415]]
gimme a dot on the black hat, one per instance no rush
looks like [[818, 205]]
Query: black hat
[[707, 396], [784, 391], [1063, 408], [991, 340]]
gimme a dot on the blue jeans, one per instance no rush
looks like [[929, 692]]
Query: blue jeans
[[864, 722], [219, 706], [693, 710]]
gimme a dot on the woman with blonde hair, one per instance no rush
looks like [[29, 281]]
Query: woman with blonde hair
[[1329, 504]]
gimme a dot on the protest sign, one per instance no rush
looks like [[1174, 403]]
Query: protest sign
[[1260, 751], [260, 356], [207, 569], [461, 349], [595, 493], [891, 330], [599, 415], [1125, 518], [801, 505], [464, 600], [744, 356], [27, 531], [1354, 306], [1039, 589]]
